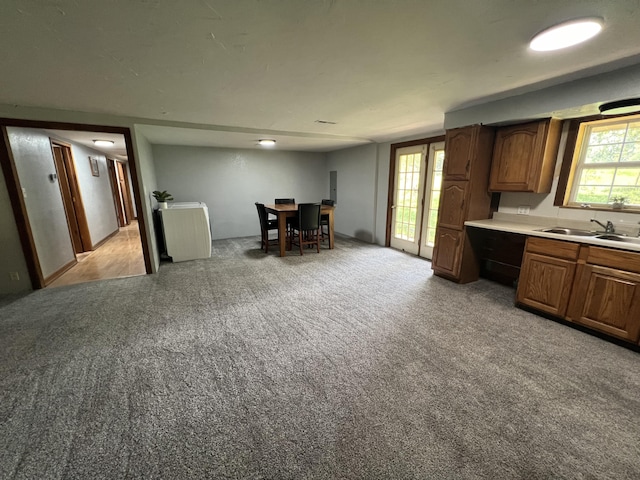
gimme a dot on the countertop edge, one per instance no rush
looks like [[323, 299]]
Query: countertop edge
[[530, 230]]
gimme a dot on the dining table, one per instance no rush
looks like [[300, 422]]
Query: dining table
[[284, 210]]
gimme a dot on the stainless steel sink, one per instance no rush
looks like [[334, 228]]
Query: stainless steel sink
[[619, 238], [568, 231]]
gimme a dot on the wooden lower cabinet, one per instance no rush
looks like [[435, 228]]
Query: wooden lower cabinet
[[545, 283], [607, 300], [454, 257], [447, 254], [592, 286]]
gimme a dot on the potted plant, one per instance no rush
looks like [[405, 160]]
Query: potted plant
[[617, 203], [162, 198]]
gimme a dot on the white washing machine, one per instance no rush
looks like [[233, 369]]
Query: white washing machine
[[187, 230]]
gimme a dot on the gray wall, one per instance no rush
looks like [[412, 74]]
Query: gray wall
[[34, 162], [11, 255], [146, 173], [357, 197], [230, 181]]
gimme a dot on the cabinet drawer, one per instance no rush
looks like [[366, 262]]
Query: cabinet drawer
[[607, 257], [554, 248]]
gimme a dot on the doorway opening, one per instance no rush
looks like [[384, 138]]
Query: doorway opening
[[77, 223]]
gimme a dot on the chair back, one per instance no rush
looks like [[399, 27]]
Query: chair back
[[262, 214], [309, 216], [331, 203], [284, 201]]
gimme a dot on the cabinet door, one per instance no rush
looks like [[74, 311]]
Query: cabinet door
[[517, 157], [447, 253], [608, 300], [545, 283], [453, 198], [459, 150]]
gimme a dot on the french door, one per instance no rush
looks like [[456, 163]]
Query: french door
[[418, 175]]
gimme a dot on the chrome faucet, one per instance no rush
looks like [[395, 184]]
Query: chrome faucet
[[608, 228]]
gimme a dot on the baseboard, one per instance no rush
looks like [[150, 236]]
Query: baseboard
[[61, 271], [105, 239]]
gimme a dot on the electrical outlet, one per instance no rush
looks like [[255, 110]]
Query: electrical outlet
[[524, 209], [14, 276]]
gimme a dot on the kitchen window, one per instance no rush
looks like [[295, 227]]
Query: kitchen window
[[605, 168]]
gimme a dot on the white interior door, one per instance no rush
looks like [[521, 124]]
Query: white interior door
[[433, 187], [407, 215]]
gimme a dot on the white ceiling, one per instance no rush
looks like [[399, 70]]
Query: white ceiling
[[245, 69]]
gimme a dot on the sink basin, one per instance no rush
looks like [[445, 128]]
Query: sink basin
[[619, 238], [568, 231]]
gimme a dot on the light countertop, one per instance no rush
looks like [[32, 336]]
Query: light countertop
[[530, 226]]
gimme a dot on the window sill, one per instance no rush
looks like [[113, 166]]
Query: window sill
[[602, 208]]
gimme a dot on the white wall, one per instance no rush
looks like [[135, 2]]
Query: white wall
[[34, 163], [230, 181], [355, 213]]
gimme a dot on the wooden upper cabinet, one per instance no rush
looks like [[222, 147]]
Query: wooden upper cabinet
[[459, 150], [524, 157], [468, 150]]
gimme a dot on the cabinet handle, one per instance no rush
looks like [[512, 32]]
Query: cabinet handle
[[468, 165]]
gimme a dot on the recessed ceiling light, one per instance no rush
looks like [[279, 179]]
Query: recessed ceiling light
[[631, 105], [566, 34], [267, 142], [103, 143]]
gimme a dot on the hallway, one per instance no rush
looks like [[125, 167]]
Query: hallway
[[120, 256]]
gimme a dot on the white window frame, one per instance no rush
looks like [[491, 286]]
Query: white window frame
[[580, 152]]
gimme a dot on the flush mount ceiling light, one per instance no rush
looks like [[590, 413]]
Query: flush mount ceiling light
[[620, 107], [566, 34], [267, 142], [103, 143]]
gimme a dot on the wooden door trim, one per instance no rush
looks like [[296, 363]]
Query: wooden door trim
[[126, 194], [81, 214], [67, 196], [392, 176], [17, 202], [113, 181], [20, 211]]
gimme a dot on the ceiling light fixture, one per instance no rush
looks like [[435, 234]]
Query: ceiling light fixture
[[566, 34], [103, 143], [620, 107], [267, 142]]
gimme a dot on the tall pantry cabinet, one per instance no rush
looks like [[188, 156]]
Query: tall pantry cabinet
[[464, 196]]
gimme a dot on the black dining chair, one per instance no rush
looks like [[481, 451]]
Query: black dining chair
[[308, 228], [266, 225], [291, 221], [324, 219]]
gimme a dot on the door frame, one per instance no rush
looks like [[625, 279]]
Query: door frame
[[392, 177], [17, 201], [71, 196]]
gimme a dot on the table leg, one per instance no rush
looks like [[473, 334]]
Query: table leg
[[331, 229], [282, 232]]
